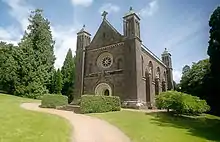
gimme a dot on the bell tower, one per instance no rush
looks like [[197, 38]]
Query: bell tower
[[131, 24], [83, 40], [133, 50], [166, 58]]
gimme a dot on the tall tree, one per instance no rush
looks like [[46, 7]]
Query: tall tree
[[8, 67], [68, 72], [194, 80], [185, 69], [58, 82], [37, 57], [214, 58]]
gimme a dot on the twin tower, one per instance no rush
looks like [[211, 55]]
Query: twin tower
[[119, 64]]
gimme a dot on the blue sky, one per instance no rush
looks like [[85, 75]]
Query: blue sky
[[181, 26]]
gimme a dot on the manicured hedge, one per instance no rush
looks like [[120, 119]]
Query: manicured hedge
[[53, 100], [98, 103], [181, 103]]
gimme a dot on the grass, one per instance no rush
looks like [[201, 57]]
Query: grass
[[161, 127], [19, 125]]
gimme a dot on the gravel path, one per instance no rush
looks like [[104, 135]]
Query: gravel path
[[85, 128]]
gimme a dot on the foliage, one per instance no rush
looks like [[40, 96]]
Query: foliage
[[181, 103], [58, 82], [163, 127], [68, 72], [19, 125], [53, 101], [33, 61], [98, 103], [214, 58], [193, 81], [186, 68], [9, 66], [52, 83]]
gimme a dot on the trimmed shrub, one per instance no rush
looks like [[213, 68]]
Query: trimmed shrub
[[98, 104], [53, 100], [181, 103]]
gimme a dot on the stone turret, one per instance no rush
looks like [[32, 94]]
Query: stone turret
[[131, 24], [166, 58], [83, 40]]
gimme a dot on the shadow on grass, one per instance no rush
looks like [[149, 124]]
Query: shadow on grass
[[205, 126]]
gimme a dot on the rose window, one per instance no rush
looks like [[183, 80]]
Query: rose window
[[106, 62]]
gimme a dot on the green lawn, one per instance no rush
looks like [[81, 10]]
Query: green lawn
[[19, 125], [161, 127]]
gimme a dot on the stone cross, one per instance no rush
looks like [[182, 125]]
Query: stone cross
[[104, 14]]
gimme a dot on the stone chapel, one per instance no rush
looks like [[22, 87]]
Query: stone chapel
[[119, 64]]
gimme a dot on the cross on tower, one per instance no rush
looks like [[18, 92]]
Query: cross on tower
[[104, 14]]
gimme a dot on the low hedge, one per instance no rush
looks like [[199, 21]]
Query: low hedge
[[53, 100], [181, 103], [98, 103]]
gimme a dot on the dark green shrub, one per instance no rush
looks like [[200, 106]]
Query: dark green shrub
[[181, 103], [53, 100], [98, 104]]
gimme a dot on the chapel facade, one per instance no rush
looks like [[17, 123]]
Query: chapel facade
[[119, 64]]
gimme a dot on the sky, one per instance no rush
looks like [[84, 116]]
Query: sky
[[181, 26]]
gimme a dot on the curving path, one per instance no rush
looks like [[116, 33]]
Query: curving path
[[86, 128]]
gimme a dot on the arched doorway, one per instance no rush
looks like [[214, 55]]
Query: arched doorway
[[106, 92], [103, 89]]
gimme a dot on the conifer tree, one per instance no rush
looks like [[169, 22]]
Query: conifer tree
[[58, 82], [37, 59], [68, 72], [214, 54]]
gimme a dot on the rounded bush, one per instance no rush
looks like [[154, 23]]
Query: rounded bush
[[98, 104], [53, 100], [181, 103]]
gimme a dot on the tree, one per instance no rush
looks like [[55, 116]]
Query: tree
[[68, 72], [214, 58], [185, 69], [8, 64], [36, 63], [194, 80], [58, 82]]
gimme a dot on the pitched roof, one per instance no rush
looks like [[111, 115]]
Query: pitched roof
[[108, 29]]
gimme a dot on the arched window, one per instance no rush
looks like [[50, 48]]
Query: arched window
[[164, 76], [158, 73], [119, 63], [151, 70], [142, 65]]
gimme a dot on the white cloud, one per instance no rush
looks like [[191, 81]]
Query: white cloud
[[109, 7], [150, 9], [84, 3], [177, 75], [20, 10], [10, 34], [65, 38]]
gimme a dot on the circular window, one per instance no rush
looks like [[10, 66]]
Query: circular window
[[105, 60]]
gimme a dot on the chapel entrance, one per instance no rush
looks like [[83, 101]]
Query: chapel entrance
[[106, 93], [103, 89]]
